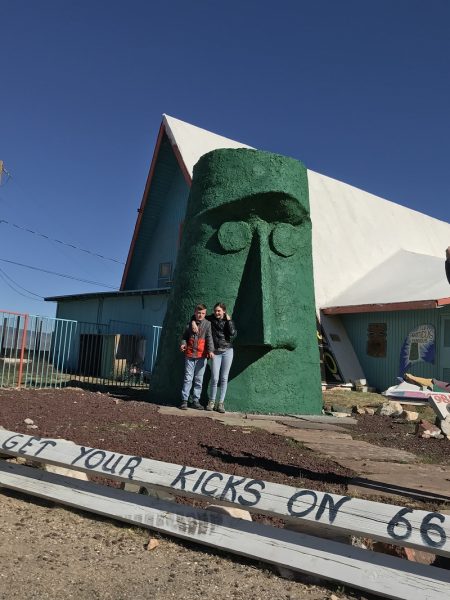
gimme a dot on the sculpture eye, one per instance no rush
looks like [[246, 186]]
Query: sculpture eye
[[286, 239], [234, 235]]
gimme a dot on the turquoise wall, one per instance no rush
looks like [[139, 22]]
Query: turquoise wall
[[147, 309], [164, 211], [382, 372]]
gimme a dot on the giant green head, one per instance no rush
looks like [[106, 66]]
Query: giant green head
[[247, 242]]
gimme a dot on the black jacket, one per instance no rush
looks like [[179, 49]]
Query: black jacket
[[223, 332]]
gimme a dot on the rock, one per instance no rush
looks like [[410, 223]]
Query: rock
[[28, 421], [63, 471], [152, 544], [341, 409], [356, 410], [312, 528], [237, 513], [425, 429], [369, 411], [32, 426], [445, 427], [410, 415], [390, 409]]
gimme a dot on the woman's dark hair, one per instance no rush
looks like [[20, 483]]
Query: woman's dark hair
[[220, 305]]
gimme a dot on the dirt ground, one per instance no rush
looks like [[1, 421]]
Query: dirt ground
[[50, 552]]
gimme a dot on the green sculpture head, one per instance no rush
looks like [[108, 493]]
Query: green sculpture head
[[247, 242]]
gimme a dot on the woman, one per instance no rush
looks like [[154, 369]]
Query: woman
[[223, 333]]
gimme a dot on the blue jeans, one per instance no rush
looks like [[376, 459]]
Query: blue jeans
[[194, 369], [220, 369]]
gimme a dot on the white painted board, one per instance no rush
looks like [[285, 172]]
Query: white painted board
[[381, 574]]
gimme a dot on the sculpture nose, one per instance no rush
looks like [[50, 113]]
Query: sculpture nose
[[254, 308]]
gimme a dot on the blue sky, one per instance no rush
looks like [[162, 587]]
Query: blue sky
[[357, 89]]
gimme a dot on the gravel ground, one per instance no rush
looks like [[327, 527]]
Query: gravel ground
[[48, 552], [51, 552], [394, 433]]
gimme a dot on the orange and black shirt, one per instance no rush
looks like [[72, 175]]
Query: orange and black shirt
[[198, 344]]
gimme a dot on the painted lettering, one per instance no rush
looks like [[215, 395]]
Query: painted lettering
[[249, 488], [130, 465], [28, 444], [83, 452], [295, 497], [44, 444], [199, 480], [107, 468], [328, 503], [230, 486], [181, 477], [9, 444], [93, 465], [207, 480], [426, 527]]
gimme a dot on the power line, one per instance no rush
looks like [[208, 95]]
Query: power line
[[14, 282], [47, 237], [3, 276], [12, 262]]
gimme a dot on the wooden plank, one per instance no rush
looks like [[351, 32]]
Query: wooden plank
[[381, 574], [329, 512]]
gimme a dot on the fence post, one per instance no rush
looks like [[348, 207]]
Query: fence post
[[22, 350]]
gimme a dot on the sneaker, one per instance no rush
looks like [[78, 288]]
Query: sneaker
[[220, 408], [184, 406], [196, 404], [210, 405]]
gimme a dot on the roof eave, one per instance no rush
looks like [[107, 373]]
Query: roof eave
[[385, 306]]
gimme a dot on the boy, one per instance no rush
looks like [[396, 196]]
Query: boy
[[197, 347]]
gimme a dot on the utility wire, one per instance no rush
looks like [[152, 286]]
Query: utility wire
[[47, 237], [14, 282], [3, 276], [12, 262]]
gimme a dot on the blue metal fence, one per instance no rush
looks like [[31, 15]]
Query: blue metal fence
[[38, 352]]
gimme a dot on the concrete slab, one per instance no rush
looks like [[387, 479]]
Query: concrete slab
[[300, 424], [424, 481], [342, 450]]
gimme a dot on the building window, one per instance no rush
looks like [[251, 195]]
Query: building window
[[165, 274], [376, 340]]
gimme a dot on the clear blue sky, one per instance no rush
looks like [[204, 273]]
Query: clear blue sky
[[357, 89]]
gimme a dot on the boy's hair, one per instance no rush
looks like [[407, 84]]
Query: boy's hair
[[220, 305], [200, 307]]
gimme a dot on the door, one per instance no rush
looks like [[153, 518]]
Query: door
[[445, 349]]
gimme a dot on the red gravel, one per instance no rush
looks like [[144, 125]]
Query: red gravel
[[395, 433], [135, 427]]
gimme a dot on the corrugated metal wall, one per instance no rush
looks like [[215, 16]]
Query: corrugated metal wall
[[147, 309], [382, 372]]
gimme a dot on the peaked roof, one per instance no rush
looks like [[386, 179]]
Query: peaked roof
[[404, 278], [353, 232]]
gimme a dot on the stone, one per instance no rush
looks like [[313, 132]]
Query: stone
[[357, 410], [445, 427], [426, 429], [390, 409], [28, 421], [369, 411], [337, 408], [152, 544], [409, 415], [32, 426], [314, 529], [236, 513], [75, 474]]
